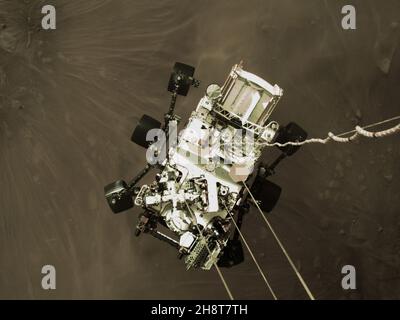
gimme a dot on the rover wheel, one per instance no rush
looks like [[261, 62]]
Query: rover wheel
[[145, 124], [182, 75], [232, 254], [118, 196], [293, 133], [267, 193]]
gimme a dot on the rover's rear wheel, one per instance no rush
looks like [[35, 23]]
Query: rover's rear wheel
[[118, 196], [267, 193], [232, 254]]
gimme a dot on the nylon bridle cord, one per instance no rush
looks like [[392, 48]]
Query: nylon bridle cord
[[296, 271], [358, 131], [252, 255]]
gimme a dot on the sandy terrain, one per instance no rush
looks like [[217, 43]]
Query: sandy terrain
[[69, 100]]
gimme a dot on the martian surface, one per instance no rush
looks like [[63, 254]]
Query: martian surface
[[70, 98]]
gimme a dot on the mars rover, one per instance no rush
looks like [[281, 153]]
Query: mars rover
[[201, 179]]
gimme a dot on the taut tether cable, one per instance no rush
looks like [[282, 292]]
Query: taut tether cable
[[252, 256], [296, 271]]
